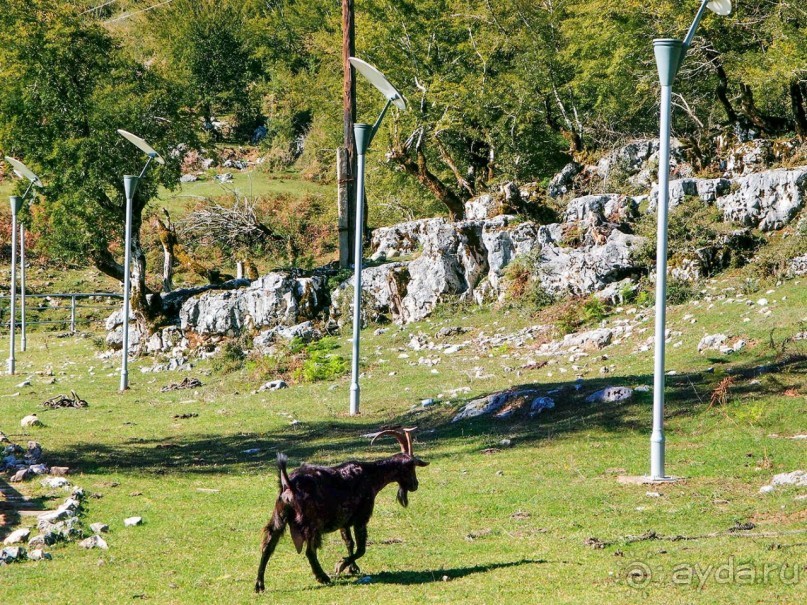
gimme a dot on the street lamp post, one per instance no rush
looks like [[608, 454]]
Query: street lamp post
[[363, 135], [23, 338], [669, 55], [130, 183], [16, 205]]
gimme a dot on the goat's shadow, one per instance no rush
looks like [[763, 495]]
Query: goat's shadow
[[427, 576]]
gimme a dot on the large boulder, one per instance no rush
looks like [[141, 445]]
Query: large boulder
[[766, 200], [563, 181], [629, 159], [582, 271], [274, 299], [708, 190], [598, 209], [798, 266], [383, 287]]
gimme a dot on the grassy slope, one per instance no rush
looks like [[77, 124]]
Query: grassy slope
[[199, 547]]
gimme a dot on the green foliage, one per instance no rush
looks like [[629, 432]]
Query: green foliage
[[575, 314], [230, 358], [211, 50], [322, 362], [300, 361], [65, 86], [679, 291]]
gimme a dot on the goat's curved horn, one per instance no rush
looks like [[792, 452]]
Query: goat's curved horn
[[402, 436]]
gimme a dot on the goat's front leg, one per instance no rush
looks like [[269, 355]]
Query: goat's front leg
[[352, 567], [272, 533], [319, 573], [361, 541]]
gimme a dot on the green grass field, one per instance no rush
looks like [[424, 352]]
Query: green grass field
[[520, 524], [248, 183]]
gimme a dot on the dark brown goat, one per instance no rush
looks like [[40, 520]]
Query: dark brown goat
[[316, 500]]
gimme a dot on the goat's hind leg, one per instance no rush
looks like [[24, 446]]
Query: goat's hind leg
[[311, 554], [350, 561], [346, 562], [271, 535]]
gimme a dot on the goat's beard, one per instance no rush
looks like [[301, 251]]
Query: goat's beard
[[403, 497]]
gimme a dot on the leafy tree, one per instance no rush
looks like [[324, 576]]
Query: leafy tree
[[65, 86], [211, 49]]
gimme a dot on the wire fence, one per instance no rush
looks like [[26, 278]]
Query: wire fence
[[62, 311]]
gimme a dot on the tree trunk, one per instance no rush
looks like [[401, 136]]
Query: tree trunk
[[106, 263], [417, 167], [797, 101], [139, 301], [722, 83], [766, 123], [347, 189], [168, 239]]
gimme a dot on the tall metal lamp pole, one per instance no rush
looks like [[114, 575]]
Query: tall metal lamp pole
[[16, 205], [363, 135], [669, 55], [130, 186]]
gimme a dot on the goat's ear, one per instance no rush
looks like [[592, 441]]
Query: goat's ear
[[419, 462]]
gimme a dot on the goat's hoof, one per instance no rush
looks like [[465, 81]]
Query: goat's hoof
[[323, 579], [344, 564], [259, 587]]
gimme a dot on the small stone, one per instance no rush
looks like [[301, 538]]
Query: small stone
[[12, 554], [653, 495], [505, 443], [132, 521], [21, 475], [39, 555], [766, 489], [610, 395], [17, 537], [59, 471], [762, 302], [539, 404], [55, 482], [95, 541], [427, 402], [30, 421], [24, 383], [99, 528], [273, 385], [795, 478]]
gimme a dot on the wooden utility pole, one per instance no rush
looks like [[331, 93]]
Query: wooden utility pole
[[346, 156]]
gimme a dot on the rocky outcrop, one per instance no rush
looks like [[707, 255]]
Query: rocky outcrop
[[383, 288], [562, 182], [798, 265], [274, 299], [469, 259], [598, 209], [582, 271], [766, 200], [708, 190]]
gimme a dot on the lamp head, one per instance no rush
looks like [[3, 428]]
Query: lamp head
[[23, 171], [720, 7], [377, 79], [141, 145]]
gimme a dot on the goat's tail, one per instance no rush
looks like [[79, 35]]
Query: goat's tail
[[285, 482]]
